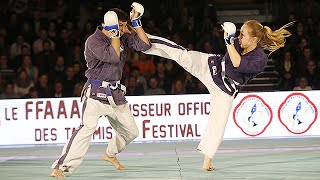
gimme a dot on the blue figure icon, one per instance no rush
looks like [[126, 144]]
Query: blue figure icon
[[250, 118], [295, 116]]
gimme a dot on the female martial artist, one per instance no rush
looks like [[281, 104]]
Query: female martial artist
[[224, 74]]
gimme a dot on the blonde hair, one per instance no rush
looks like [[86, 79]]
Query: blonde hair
[[268, 39]]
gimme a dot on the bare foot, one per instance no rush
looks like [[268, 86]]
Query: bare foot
[[207, 164], [114, 161], [209, 168], [58, 173]]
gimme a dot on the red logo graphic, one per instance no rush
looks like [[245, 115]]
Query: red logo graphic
[[297, 113], [252, 115]]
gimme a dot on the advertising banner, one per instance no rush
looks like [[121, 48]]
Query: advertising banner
[[166, 117]]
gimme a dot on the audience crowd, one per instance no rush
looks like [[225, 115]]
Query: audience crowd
[[41, 46]]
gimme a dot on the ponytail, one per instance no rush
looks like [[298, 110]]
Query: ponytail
[[268, 39]]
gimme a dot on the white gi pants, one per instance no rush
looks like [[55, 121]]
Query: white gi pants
[[196, 63], [120, 119]]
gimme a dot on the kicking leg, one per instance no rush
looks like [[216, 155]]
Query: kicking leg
[[192, 61]]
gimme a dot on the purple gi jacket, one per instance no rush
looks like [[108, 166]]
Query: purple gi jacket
[[251, 65], [104, 64]]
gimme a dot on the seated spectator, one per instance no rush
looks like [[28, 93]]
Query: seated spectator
[[178, 87], [58, 90], [23, 83], [133, 89], [151, 28], [303, 85], [16, 62], [287, 71], [9, 92], [43, 86], [57, 71], [169, 28], [32, 70], [38, 44], [76, 56], [299, 54], [5, 70], [15, 48], [313, 74], [190, 83], [74, 34], [141, 80], [33, 93], [46, 59], [64, 44], [160, 74], [78, 73], [308, 53], [153, 87], [299, 33], [69, 81], [171, 71]]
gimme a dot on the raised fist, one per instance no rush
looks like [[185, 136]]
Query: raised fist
[[229, 32], [137, 10], [229, 28], [136, 13]]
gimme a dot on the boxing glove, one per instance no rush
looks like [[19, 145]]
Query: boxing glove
[[230, 30], [136, 22], [111, 24]]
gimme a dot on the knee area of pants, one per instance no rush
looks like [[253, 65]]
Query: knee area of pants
[[134, 133]]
